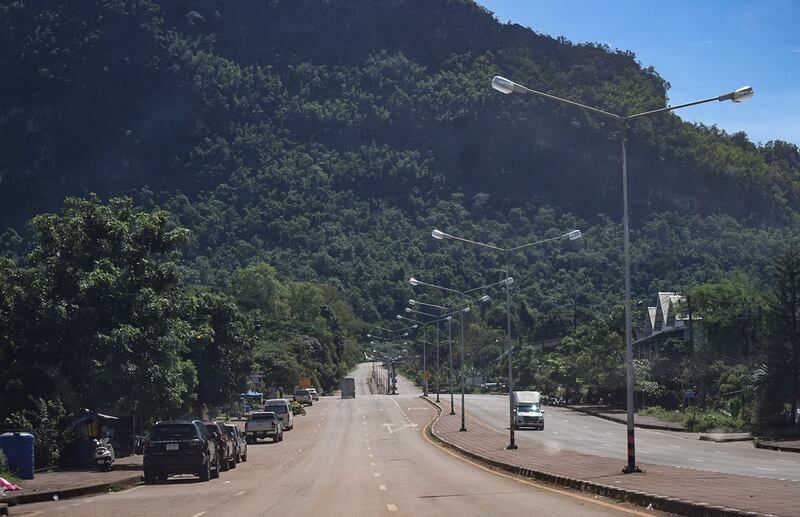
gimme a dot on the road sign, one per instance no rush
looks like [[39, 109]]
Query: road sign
[[305, 382], [426, 375]]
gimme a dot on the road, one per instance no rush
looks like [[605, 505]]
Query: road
[[569, 430], [364, 456]]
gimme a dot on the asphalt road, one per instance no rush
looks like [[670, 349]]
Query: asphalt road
[[364, 456], [569, 430]]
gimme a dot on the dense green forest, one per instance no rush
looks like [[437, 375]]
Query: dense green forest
[[324, 140]]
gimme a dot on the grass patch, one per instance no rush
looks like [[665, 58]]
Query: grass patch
[[697, 420]]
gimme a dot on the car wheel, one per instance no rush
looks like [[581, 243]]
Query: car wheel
[[223, 465], [150, 476], [244, 457], [215, 471], [232, 463], [205, 472]]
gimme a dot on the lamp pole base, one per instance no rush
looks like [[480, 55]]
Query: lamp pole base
[[628, 469], [463, 429], [511, 446]]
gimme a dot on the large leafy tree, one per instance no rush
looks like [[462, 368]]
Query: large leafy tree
[[95, 312]]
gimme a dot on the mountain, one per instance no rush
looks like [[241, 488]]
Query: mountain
[[329, 137]]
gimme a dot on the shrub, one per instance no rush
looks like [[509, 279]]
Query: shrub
[[45, 420]]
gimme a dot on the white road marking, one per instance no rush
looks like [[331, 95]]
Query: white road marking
[[377, 474], [555, 432], [381, 487], [391, 507], [784, 461], [199, 514], [696, 460], [725, 453], [225, 482], [645, 452], [765, 469], [239, 493], [372, 463], [675, 446], [565, 420]]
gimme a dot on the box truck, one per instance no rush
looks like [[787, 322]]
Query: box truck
[[348, 388], [528, 410]]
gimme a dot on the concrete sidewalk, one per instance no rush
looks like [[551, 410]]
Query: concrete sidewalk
[[670, 489], [788, 445], [75, 483]]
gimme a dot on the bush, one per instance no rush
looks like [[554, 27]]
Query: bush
[[697, 421], [3, 464], [45, 420]]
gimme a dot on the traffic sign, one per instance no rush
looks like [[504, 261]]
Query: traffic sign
[[426, 375]]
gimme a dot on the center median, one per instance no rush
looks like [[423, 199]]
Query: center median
[[670, 489]]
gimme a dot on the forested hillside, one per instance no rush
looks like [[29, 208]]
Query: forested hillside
[[327, 138]]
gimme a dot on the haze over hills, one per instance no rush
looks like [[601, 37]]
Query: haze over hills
[[328, 139]]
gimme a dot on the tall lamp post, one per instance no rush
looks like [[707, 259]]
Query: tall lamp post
[[425, 371], [464, 295], [571, 235], [507, 86]]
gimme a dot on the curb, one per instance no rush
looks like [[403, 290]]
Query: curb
[[39, 497], [762, 445], [709, 438], [620, 421], [640, 498]]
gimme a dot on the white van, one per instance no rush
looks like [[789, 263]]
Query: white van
[[283, 410]]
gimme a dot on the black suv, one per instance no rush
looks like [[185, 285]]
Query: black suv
[[180, 447]]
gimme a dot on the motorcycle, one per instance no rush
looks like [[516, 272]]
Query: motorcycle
[[104, 454], [298, 409]]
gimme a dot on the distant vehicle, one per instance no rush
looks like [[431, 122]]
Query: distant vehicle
[[225, 446], [263, 425], [239, 442], [303, 397], [528, 410], [314, 394], [348, 388], [283, 410], [180, 447]]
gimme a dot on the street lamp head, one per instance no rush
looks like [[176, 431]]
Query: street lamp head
[[412, 302], [413, 281], [405, 335], [369, 335], [408, 309], [574, 234], [743, 93], [414, 326], [436, 234], [448, 318], [484, 298], [509, 280], [399, 317], [740, 95], [503, 85], [466, 309]]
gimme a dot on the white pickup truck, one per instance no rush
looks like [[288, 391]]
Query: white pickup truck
[[263, 424]]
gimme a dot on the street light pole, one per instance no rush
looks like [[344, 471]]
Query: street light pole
[[507, 86], [571, 235], [463, 371], [450, 355], [511, 413], [437, 362]]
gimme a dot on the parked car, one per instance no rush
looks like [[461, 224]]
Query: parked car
[[239, 442], [283, 410], [227, 451], [263, 425], [314, 394], [180, 447], [303, 397]]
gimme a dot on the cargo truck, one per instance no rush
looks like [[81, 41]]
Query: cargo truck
[[528, 410], [348, 388]]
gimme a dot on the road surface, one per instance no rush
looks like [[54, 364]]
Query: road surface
[[364, 456], [569, 430]]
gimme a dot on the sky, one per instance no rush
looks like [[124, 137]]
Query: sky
[[702, 48]]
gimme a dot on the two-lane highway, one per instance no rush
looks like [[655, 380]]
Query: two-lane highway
[[569, 430], [364, 456]]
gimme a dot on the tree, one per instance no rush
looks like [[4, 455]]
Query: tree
[[782, 347]]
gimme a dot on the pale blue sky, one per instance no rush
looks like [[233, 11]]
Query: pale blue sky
[[703, 48]]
